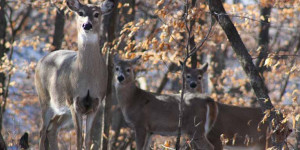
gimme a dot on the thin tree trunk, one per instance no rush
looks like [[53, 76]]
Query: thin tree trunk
[[58, 29], [256, 81], [109, 22], [218, 65], [123, 18], [3, 50], [192, 40], [263, 38]]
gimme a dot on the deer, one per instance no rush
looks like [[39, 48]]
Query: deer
[[241, 126], [72, 84], [194, 78], [149, 113]]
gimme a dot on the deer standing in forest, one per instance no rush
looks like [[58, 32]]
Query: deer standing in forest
[[72, 84], [148, 113], [238, 124]]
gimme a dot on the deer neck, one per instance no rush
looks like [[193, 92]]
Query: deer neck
[[126, 93], [89, 57]]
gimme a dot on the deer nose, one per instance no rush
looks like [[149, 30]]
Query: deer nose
[[87, 26], [193, 85], [120, 78]]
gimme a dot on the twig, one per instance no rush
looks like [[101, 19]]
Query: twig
[[282, 91]]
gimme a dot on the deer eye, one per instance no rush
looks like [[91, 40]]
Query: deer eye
[[199, 77], [128, 69], [80, 13], [96, 14], [188, 76], [117, 68]]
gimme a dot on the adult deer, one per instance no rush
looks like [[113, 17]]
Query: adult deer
[[148, 113], [238, 124], [72, 84]]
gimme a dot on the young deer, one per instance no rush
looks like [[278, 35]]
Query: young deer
[[71, 84], [193, 78], [148, 113], [239, 123]]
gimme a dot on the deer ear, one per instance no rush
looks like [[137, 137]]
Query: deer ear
[[106, 7], [136, 59], [203, 68], [74, 5]]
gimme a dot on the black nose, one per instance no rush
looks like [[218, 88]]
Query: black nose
[[87, 26], [193, 85], [120, 78]]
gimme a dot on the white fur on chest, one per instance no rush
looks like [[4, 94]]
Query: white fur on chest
[[88, 37]]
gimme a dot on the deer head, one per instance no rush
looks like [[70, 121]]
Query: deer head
[[194, 76], [89, 16], [124, 70]]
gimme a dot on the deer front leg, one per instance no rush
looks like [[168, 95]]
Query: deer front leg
[[141, 138], [89, 127], [77, 120]]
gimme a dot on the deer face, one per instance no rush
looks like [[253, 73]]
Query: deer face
[[124, 70], [194, 76], [89, 16]]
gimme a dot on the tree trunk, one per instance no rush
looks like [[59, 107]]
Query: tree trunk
[[217, 62], [102, 125], [263, 38], [3, 50], [256, 81], [58, 29]]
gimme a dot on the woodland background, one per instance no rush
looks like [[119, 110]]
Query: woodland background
[[158, 30]]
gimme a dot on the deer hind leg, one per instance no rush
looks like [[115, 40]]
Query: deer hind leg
[[200, 141], [89, 127], [55, 124], [46, 118], [216, 142]]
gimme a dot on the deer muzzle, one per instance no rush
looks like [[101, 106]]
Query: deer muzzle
[[193, 85], [87, 26]]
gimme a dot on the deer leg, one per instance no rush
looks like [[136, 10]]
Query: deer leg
[[89, 127], [56, 123], [200, 142], [140, 138], [216, 142], [52, 133], [77, 120], [46, 118], [148, 141]]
